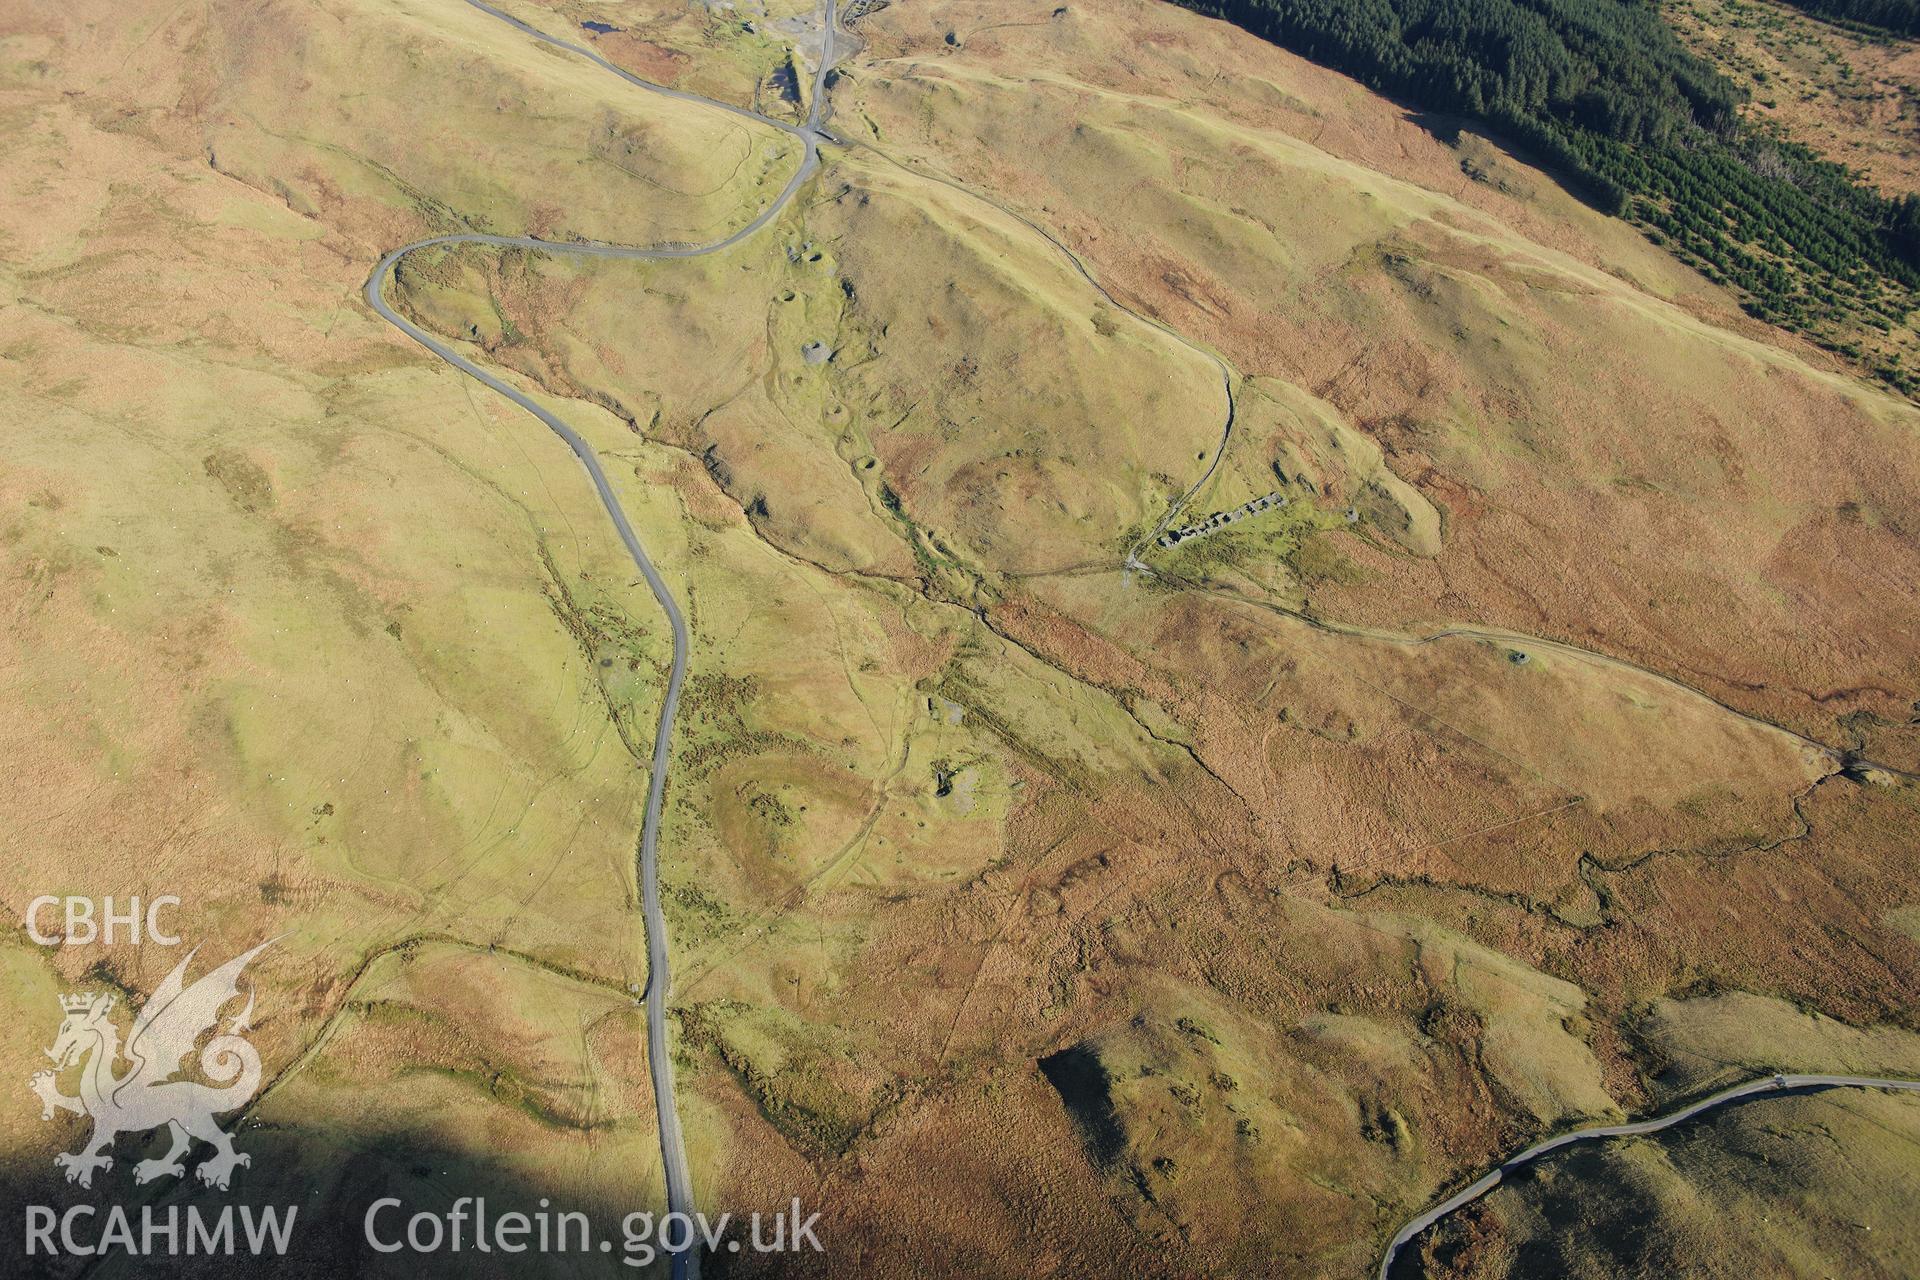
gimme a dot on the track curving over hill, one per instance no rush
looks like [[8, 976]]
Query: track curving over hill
[[1773, 1086]]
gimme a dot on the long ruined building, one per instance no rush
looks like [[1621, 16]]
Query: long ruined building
[[1221, 519]]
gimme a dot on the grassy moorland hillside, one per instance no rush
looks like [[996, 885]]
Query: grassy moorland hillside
[[1802, 1186], [1028, 908], [1607, 92]]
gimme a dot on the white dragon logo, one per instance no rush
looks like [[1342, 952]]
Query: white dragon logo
[[147, 1096]]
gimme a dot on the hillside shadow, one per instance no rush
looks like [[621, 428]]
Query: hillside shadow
[[329, 1181]]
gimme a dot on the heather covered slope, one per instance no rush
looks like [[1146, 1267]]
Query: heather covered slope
[[1028, 912], [1621, 461]]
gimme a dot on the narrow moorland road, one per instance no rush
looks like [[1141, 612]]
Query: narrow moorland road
[[660, 1064], [1765, 1086], [686, 1263]]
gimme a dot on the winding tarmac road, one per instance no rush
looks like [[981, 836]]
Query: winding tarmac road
[[686, 1263], [1765, 1086], [810, 134]]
